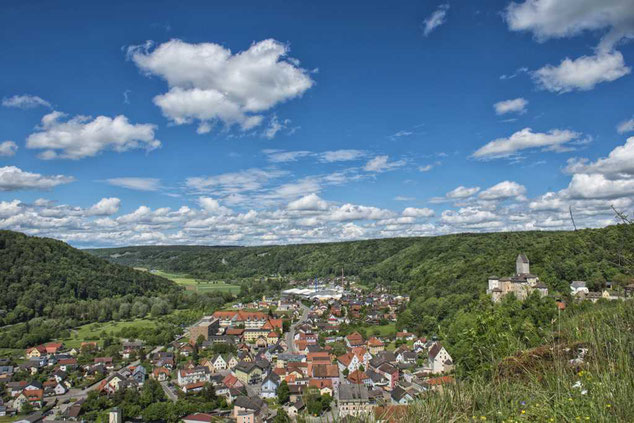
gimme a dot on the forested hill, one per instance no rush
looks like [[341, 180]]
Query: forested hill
[[434, 265], [39, 272]]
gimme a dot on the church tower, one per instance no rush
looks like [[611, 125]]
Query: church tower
[[522, 265]]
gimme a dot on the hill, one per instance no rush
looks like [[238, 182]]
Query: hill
[[442, 274], [38, 274]]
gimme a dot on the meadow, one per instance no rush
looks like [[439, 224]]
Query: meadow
[[93, 331], [197, 285]]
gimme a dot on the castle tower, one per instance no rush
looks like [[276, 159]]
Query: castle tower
[[522, 265]]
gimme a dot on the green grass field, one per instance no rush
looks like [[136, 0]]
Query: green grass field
[[196, 284], [92, 331]]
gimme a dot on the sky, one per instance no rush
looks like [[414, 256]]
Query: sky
[[251, 123]]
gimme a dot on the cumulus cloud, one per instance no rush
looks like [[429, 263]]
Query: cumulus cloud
[[598, 186], [553, 140], [625, 126], [583, 73], [565, 18], [462, 192], [417, 212], [311, 202], [504, 191], [437, 18], [467, 216], [618, 164], [349, 212], [212, 206], [14, 179], [83, 136], [105, 207], [25, 101], [382, 164], [208, 83], [516, 105], [8, 148], [137, 184]]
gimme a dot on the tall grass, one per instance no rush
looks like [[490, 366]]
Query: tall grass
[[543, 385]]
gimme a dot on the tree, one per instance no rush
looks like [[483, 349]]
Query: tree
[[283, 393], [209, 393], [282, 416]]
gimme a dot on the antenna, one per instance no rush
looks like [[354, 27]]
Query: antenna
[[572, 217]]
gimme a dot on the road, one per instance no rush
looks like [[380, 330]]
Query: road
[[290, 336], [168, 391]]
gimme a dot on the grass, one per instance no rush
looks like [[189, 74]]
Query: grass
[[196, 284], [92, 331], [383, 330], [542, 385]]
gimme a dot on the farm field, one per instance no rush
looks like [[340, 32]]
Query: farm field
[[196, 284]]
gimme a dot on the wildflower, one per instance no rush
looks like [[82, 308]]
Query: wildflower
[[608, 405], [523, 411], [483, 418]]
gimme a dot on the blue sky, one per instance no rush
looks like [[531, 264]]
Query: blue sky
[[243, 123]]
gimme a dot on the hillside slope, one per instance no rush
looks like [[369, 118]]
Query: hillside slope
[[38, 272], [443, 263]]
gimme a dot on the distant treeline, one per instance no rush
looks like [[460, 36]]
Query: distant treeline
[[442, 274]]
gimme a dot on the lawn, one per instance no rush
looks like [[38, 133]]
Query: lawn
[[383, 330], [198, 285], [92, 331]]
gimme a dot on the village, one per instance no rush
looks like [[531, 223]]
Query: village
[[315, 350], [286, 352]]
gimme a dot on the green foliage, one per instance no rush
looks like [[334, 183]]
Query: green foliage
[[480, 337], [45, 277], [283, 393], [545, 387]]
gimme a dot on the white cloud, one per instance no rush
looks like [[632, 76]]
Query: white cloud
[[417, 213], [349, 212], [212, 206], [598, 186], [468, 216], [82, 136], [138, 184], [234, 182], [516, 105], [582, 73], [626, 126], [436, 19], [426, 168], [618, 164], [503, 191], [280, 156], [25, 101], [462, 192], [8, 148], [553, 140], [13, 179], [105, 207], [382, 164], [208, 83], [565, 18], [341, 155], [311, 202]]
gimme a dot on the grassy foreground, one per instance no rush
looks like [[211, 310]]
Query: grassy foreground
[[542, 385]]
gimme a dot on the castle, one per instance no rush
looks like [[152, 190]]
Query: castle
[[522, 284]]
